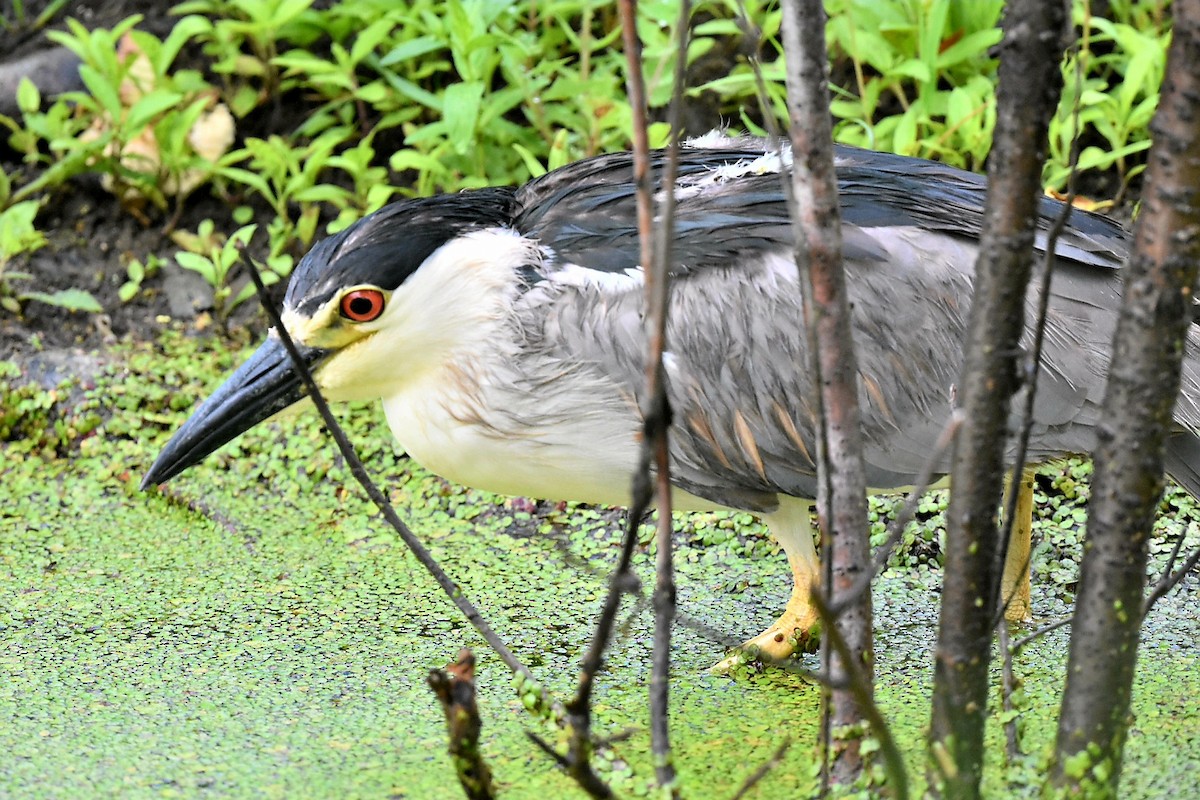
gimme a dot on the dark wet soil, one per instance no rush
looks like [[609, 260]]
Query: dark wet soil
[[91, 238]]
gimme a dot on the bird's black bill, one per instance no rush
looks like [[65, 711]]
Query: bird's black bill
[[265, 385]]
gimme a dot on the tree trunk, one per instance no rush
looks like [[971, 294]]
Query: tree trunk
[[1144, 378], [1032, 49], [841, 495]]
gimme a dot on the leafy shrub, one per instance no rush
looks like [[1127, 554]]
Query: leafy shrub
[[441, 95]]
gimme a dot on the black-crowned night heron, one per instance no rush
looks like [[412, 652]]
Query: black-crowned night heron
[[502, 329]]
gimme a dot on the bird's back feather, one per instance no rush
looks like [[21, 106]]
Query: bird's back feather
[[736, 367]]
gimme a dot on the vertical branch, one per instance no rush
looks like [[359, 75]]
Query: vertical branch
[[656, 412], [658, 416], [1032, 49], [545, 705], [841, 496], [1144, 379]]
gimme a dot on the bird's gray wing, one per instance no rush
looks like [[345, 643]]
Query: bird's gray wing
[[729, 204], [737, 368]]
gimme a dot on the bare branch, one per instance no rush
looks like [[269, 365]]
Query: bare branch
[[774, 761], [1008, 687], [841, 482], [1029, 638], [545, 704], [656, 412], [911, 502], [455, 690], [1033, 359], [1169, 579], [859, 683], [1136, 416], [1027, 96], [656, 421]]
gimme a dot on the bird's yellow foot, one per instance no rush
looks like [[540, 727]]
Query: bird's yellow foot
[[796, 631]]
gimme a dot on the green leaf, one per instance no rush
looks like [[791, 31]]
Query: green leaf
[[244, 100], [460, 109], [321, 193], [186, 29], [369, 38], [973, 45], [29, 99], [536, 170], [412, 49], [150, 106], [199, 264], [250, 179], [413, 92], [102, 89], [71, 299], [917, 70]]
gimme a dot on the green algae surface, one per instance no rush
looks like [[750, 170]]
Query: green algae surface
[[257, 631]]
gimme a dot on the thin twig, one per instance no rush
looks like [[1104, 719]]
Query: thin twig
[[1033, 360], [578, 708], [1170, 580], [1019, 644], [656, 261], [577, 760], [545, 704], [912, 502], [771, 763], [1171, 559], [814, 209], [860, 686], [1008, 676]]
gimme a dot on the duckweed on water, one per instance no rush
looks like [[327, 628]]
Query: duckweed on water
[[256, 631]]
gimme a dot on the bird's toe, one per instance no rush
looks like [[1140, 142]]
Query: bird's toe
[[796, 631]]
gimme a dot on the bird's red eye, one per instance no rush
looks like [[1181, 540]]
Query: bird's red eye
[[362, 305]]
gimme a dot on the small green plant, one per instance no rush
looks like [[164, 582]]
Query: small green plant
[[1121, 62], [242, 38], [51, 142], [287, 178], [153, 133], [17, 236], [21, 21], [136, 272], [215, 258]]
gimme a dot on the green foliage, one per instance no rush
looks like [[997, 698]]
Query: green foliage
[[20, 20], [136, 272], [917, 77], [442, 95], [923, 78], [1120, 63], [142, 119], [36, 421], [242, 38], [17, 232], [215, 257], [19, 237], [52, 141]]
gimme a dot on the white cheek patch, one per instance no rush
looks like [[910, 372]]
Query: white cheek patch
[[456, 304]]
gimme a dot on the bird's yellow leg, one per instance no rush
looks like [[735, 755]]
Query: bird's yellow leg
[[1014, 583], [794, 631]]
